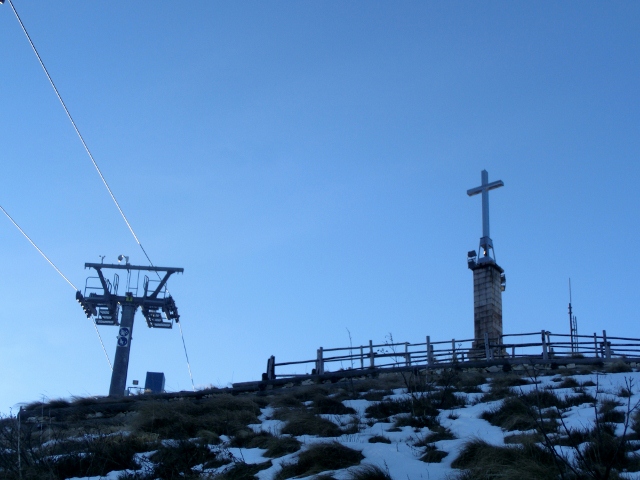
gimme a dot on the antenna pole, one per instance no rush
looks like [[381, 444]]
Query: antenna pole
[[571, 319], [573, 325]]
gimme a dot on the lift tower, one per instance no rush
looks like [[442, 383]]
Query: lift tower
[[101, 300]]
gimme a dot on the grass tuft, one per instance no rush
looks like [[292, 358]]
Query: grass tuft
[[318, 458], [433, 455], [243, 471], [181, 420], [379, 439], [306, 423], [368, 472], [525, 462]]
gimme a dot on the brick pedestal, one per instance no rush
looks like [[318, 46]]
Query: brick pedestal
[[487, 303]]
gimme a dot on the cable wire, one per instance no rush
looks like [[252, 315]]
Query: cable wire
[[57, 270], [186, 355], [95, 164], [75, 127]]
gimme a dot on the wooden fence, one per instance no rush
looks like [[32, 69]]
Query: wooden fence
[[537, 347]]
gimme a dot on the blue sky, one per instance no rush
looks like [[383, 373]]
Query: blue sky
[[307, 163]]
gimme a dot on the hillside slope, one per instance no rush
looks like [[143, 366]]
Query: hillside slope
[[534, 423]]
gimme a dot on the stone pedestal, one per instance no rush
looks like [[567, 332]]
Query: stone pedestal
[[487, 303]]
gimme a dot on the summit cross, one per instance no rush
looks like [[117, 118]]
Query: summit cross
[[485, 241]]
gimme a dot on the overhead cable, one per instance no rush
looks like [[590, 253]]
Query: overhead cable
[[57, 270]]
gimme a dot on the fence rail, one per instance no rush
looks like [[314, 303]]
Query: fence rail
[[539, 347]]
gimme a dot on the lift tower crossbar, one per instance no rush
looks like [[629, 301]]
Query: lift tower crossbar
[[158, 308]]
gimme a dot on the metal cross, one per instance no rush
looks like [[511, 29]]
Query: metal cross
[[485, 241]]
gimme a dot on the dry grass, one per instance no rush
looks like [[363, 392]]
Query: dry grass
[[222, 415], [318, 458], [482, 461], [243, 471], [438, 433], [568, 382], [608, 412], [433, 455], [376, 395], [275, 446], [524, 412], [178, 459], [95, 456], [368, 472], [330, 406], [306, 423], [618, 367]]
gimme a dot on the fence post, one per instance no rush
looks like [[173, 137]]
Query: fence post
[[407, 355], [429, 352], [607, 345], [361, 357], [371, 364], [271, 368], [320, 363], [545, 354], [487, 347], [454, 358], [595, 344], [513, 352]]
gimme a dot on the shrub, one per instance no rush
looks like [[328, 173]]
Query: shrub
[[319, 458]]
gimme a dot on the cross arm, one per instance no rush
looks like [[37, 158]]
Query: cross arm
[[489, 186]]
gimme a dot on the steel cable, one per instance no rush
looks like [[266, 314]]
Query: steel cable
[[61, 274]]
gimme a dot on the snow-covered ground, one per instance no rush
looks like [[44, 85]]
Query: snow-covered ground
[[401, 458]]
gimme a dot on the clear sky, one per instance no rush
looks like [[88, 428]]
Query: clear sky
[[307, 163]]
